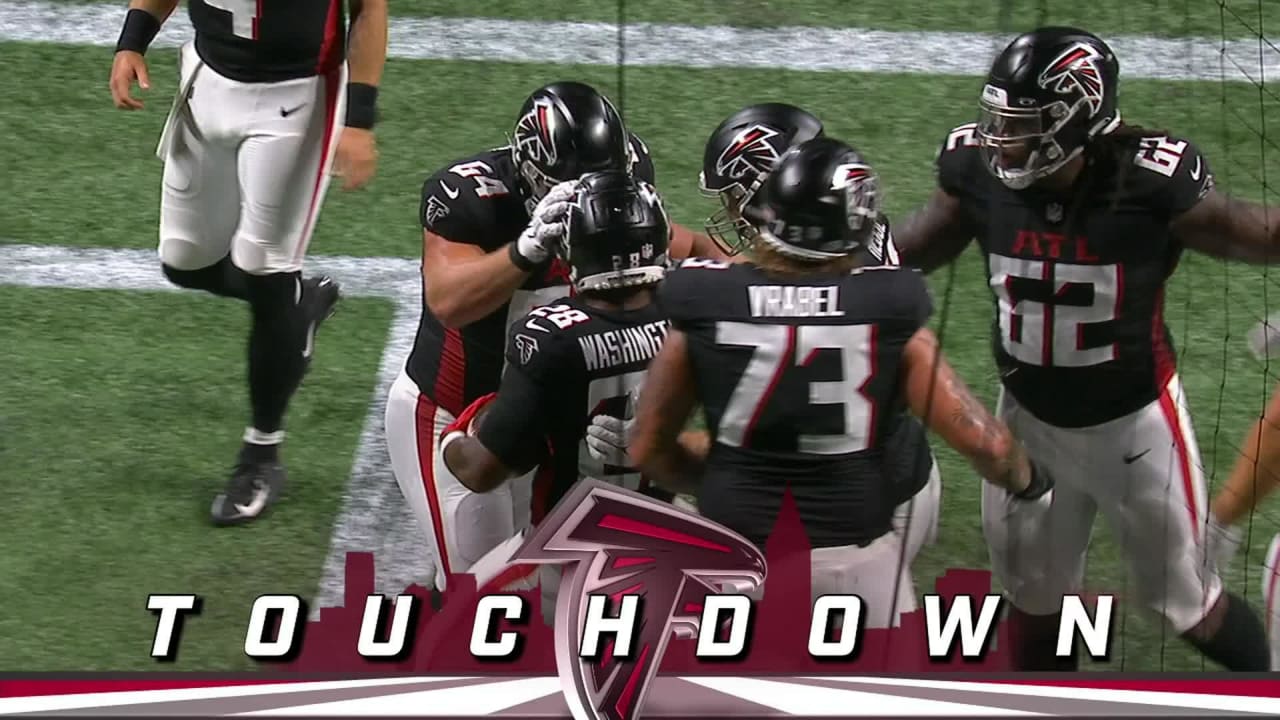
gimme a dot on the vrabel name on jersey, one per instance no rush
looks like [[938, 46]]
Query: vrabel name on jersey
[[794, 301], [624, 346]]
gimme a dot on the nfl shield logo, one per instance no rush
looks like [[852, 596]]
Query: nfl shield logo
[[1053, 212]]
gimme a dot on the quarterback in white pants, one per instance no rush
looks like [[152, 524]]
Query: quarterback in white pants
[[269, 98]]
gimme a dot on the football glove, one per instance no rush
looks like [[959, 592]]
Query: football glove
[[608, 437], [1041, 484], [1223, 542], [547, 224]]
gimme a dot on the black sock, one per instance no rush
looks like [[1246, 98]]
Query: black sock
[[222, 278], [1035, 642], [1240, 645], [276, 342]]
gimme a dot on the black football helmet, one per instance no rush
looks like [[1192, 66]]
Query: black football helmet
[[1047, 96], [739, 153], [821, 201], [565, 130], [618, 233]]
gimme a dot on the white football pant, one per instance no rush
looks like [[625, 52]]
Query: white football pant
[[246, 167], [461, 526], [1143, 472]]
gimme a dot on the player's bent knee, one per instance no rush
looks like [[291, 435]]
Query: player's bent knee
[[183, 254], [258, 256], [480, 523]]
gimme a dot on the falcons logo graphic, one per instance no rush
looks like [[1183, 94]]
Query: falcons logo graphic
[[1078, 70], [526, 346], [858, 183], [850, 174], [617, 542], [751, 152], [533, 133]]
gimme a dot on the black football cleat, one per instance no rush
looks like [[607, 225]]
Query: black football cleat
[[320, 296], [251, 490]]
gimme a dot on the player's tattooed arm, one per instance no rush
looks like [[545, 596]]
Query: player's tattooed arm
[[935, 234], [657, 447], [937, 395], [1231, 228]]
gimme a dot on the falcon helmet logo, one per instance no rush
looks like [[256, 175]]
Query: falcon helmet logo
[[1078, 70], [533, 133], [615, 541], [750, 152], [526, 346], [858, 182]]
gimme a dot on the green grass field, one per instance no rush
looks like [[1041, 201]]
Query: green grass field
[[120, 411]]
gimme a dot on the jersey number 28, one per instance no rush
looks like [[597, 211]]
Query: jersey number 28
[[774, 349]]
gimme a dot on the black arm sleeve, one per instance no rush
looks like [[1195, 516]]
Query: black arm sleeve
[[508, 428]]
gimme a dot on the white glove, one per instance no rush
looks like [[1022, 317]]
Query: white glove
[[1223, 541], [547, 224], [608, 437]]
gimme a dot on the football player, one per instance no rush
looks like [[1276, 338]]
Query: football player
[[271, 98], [1081, 219], [739, 153], [491, 226], [579, 356], [1255, 475], [802, 359]]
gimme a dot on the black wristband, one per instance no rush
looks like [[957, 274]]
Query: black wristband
[[1040, 484], [362, 105], [140, 28], [519, 260]]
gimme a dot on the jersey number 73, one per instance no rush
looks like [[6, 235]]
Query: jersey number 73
[[777, 348]]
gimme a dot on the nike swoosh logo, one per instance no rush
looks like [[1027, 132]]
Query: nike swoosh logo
[[255, 507], [1131, 459], [286, 112], [1195, 172], [452, 193]]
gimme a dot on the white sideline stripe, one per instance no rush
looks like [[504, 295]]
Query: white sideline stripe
[[650, 44], [374, 516], [46, 703]]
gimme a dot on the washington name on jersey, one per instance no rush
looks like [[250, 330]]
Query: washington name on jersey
[[478, 201], [271, 40], [1079, 334], [798, 377], [567, 363]]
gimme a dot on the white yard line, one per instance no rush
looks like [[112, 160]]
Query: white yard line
[[374, 517], [648, 44]]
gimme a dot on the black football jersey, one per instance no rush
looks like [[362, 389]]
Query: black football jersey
[[270, 40], [1079, 281], [567, 363], [798, 377], [477, 201]]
